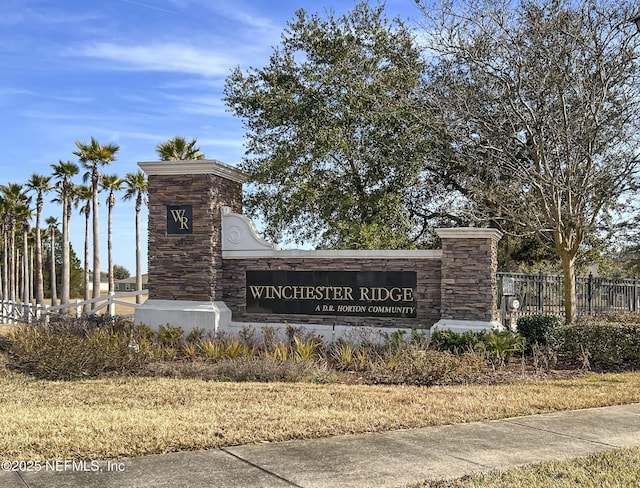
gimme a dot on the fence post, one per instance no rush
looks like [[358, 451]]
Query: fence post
[[78, 309], [112, 304], [635, 294], [540, 292], [590, 293]]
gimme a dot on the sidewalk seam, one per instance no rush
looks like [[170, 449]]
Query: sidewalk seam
[[561, 434], [264, 470], [26, 485]]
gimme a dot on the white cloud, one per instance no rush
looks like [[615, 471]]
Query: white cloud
[[199, 105], [164, 57], [238, 12]]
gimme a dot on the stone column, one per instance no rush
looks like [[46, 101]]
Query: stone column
[[469, 285], [185, 243]]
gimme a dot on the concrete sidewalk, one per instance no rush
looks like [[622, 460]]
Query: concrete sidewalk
[[387, 459]]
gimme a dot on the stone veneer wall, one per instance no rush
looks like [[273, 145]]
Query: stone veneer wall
[[469, 281], [188, 266], [427, 293], [199, 279]]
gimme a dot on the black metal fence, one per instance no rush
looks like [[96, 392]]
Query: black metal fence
[[544, 294]]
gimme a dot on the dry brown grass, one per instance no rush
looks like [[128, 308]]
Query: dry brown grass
[[131, 416], [617, 468]]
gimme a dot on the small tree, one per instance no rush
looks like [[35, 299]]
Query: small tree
[[52, 268], [120, 272]]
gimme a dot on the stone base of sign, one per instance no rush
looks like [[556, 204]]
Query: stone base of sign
[[188, 315], [462, 326], [328, 334]]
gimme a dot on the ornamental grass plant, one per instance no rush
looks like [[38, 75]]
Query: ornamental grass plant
[[90, 347], [93, 347]]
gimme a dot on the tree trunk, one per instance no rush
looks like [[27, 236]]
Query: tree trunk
[[96, 241], [31, 273], [66, 265], [110, 247], [569, 273], [86, 307], [5, 265], [54, 291], [138, 257], [26, 299], [12, 263], [39, 273]]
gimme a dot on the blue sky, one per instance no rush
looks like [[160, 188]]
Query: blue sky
[[134, 73]]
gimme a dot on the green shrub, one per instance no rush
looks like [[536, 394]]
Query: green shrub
[[394, 340], [499, 346], [448, 340], [538, 329], [603, 345]]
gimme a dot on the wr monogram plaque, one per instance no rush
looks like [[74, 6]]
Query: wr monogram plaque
[[179, 219]]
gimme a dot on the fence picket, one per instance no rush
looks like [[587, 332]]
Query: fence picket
[[541, 293], [22, 312]]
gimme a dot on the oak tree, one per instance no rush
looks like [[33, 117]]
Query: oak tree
[[335, 141]]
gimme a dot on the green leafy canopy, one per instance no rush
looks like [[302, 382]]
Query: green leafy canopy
[[335, 141]]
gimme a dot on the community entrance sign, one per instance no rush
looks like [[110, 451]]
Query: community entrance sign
[[209, 269], [337, 293]]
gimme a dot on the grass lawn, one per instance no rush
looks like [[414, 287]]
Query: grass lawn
[[132, 416], [618, 468]]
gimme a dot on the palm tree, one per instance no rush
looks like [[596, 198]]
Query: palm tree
[[64, 172], [136, 185], [14, 199], [111, 183], [40, 185], [84, 194], [92, 156], [4, 212], [52, 225], [178, 149], [24, 214]]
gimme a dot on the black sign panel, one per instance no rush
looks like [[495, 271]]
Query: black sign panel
[[356, 293], [179, 219]]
